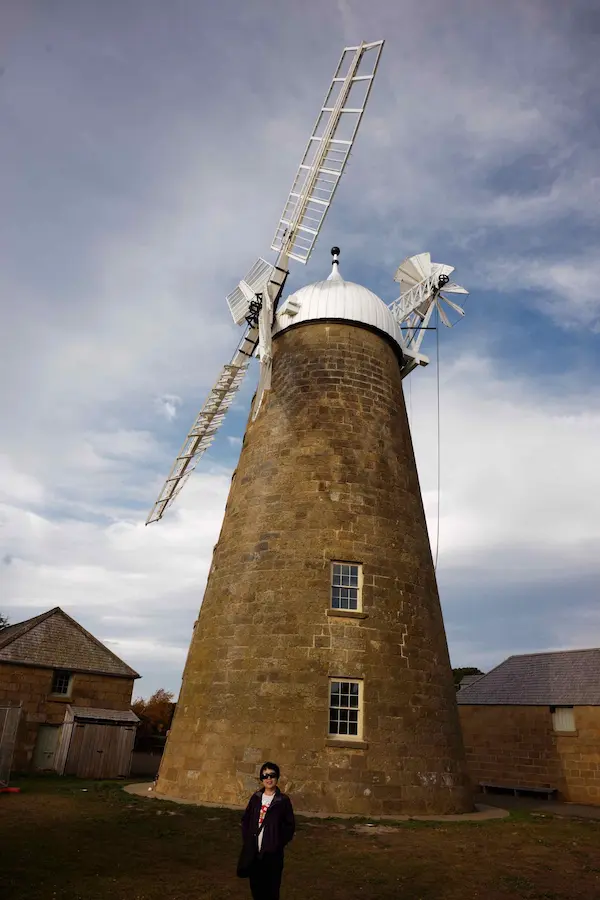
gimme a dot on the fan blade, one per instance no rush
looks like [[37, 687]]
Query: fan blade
[[254, 283], [422, 263], [453, 306], [327, 152], [206, 424], [413, 270], [453, 288], [438, 269], [443, 315]]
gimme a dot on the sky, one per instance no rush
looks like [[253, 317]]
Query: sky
[[146, 151]]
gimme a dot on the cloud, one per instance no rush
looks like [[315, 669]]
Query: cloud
[[168, 405], [508, 505]]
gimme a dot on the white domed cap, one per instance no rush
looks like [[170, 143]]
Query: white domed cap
[[337, 299]]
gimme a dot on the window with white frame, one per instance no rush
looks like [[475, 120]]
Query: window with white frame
[[61, 682], [563, 718], [345, 708], [346, 586]]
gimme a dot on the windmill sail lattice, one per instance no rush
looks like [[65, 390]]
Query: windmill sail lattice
[[205, 427], [327, 152], [254, 300]]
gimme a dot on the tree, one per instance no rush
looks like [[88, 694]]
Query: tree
[[3, 621], [156, 713], [459, 674]]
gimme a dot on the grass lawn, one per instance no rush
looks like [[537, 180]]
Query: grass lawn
[[68, 839]]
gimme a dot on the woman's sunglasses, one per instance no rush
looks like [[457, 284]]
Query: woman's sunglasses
[[267, 775]]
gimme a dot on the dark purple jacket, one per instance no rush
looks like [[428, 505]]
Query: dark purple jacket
[[279, 823]]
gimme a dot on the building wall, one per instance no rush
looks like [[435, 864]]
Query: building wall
[[327, 472], [31, 687], [517, 745]]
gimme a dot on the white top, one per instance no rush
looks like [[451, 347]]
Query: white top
[[337, 299], [266, 801]]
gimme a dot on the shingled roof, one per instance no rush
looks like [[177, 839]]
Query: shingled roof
[[54, 640], [561, 678]]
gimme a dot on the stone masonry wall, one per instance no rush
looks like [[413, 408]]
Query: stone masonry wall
[[31, 687], [517, 745], [326, 473]]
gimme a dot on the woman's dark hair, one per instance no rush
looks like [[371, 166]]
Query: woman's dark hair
[[269, 765]]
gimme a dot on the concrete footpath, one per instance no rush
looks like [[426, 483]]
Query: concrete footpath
[[483, 810], [488, 806], [540, 807]]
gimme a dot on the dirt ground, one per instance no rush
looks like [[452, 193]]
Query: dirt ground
[[63, 839]]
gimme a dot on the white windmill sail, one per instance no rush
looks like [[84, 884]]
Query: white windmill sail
[[327, 151], [206, 424], [254, 300]]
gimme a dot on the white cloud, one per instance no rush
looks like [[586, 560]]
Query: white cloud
[[18, 486], [509, 448], [167, 406]]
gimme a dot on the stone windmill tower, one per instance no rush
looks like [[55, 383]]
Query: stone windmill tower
[[320, 641]]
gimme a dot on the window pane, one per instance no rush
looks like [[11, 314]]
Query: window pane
[[345, 586], [563, 719], [60, 682], [344, 708]]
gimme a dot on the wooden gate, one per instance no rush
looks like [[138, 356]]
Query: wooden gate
[[9, 723], [100, 750]]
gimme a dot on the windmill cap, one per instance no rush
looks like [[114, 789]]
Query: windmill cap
[[337, 300]]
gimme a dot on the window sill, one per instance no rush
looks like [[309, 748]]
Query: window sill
[[58, 698], [348, 745], [346, 614], [566, 733]]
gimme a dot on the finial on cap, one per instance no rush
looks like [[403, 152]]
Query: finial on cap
[[335, 272]]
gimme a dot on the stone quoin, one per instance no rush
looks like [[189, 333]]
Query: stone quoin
[[326, 475]]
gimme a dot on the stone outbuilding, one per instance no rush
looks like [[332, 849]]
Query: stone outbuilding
[[533, 723], [74, 697]]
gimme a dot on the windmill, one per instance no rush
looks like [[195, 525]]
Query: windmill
[[254, 301], [320, 640]]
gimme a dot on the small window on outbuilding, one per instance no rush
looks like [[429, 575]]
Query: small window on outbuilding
[[346, 586], [61, 682], [563, 718], [345, 708]]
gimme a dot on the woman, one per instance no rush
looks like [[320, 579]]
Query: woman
[[268, 823]]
